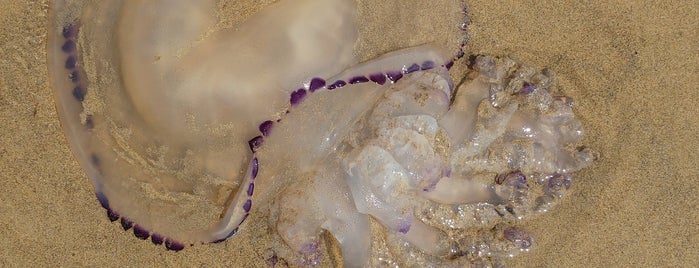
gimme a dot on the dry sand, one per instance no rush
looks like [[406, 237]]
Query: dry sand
[[631, 66]]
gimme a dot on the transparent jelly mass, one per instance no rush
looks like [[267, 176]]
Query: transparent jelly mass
[[318, 117]]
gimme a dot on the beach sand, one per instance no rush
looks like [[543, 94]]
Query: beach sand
[[631, 66]]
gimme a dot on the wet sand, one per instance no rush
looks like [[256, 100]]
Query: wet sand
[[633, 69]]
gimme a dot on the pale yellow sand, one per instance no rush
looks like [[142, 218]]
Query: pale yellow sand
[[632, 68]]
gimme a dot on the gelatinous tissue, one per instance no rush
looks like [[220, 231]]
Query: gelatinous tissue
[[187, 124]]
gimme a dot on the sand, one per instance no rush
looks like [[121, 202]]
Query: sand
[[632, 67]]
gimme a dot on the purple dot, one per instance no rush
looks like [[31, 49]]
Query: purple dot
[[310, 248], [113, 216], [68, 46], [316, 83], [79, 93], [126, 223], [247, 205], [358, 79], [337, 84], [427, 65], [460, 54], [527, 89], [558, 184], [255, 167], [255, 143], [378, 78], [272, 260], [404, 227], [266, 127], [394, 76], [449, 65], [412, 68], [515, 178], [156, 239], [297, 96], [520, 238], [173, 245], [70, 62], [251, 189], [70, 31], [140, 232]]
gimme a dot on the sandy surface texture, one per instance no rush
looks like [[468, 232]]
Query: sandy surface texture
[[631, 66]]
